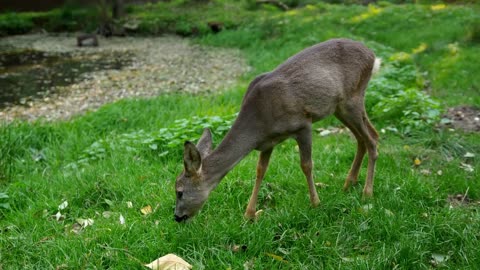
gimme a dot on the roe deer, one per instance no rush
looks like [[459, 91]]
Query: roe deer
[[327, 78]]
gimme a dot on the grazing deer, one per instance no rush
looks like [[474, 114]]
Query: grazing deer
[[327, 78]]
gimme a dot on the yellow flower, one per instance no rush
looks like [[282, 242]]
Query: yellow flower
[[438, 7], [400, 56], [423, 46], [372, 11], [417, 162]]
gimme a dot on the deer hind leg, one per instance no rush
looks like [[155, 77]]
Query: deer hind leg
[[304, 141], [352, 177], [372, 157], [262, 166], [355, 118]]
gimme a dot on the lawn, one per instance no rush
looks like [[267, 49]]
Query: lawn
[[113, 165]]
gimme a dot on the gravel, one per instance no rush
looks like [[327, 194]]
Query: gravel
[[160, 65]]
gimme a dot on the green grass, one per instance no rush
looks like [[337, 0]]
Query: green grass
[[407, 222]]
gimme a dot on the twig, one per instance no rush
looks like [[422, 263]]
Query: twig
[[465, 195]]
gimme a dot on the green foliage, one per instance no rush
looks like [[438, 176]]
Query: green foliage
[[447, 34], [411, 222], [409, 109], [162, 142], [394, 97], [3, 201], [14, 24]]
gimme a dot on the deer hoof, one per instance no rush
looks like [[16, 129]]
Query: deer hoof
[[315, 202], [367, 194], [252, 216]]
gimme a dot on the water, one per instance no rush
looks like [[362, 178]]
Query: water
[[26, 75]]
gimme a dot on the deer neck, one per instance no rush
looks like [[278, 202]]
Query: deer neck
[[239, 142]]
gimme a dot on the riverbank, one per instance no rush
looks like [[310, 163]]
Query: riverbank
[[157, 65]]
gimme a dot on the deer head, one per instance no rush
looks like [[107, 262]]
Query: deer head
[[192, 188]]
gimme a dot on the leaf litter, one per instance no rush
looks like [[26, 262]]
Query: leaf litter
[[169, 262]]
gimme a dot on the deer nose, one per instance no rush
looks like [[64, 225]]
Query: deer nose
[[180, 219]]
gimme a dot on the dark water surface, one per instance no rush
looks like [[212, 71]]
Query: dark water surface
[[27, 74]]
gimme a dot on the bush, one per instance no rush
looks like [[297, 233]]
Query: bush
[[395, 98], [14, 23]]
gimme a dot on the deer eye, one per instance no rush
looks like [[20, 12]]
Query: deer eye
[[179, 194]]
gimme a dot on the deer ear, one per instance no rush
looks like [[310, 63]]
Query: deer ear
[[204, 145], [191, 159]]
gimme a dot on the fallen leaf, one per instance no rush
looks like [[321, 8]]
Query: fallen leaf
[[389, 213], [109, 202], [258, 213], [425, 172], [129, 204], [438, 259], [76, 228], [466, 167], [122, 220], [146, 210], [439, 172], [85, 222], [238, 248], [348, 259], [276, 257], [321, 185], [325, 132], [107, 214], [63, 205], [58, 216], [169, 262], [469, 155], [364, 226]]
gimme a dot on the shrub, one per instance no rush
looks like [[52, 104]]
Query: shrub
[[14, 24]]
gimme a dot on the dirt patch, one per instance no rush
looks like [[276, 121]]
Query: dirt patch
[[465, 118], [458, 200], [159, 65]]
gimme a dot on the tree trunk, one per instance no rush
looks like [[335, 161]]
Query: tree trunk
[[118, 9]]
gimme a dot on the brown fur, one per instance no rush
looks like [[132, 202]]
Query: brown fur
[[327, 78]]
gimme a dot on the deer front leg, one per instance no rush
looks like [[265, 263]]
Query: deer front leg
[[304, 141], [262, 166]]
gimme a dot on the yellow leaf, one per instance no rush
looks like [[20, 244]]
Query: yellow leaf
[[146, 210], [169, 262], [276, 257], [417, 162]]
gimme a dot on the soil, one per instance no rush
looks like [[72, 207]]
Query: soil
[[466, 118]]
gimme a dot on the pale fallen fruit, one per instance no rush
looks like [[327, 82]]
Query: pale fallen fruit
[[169, 262]]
